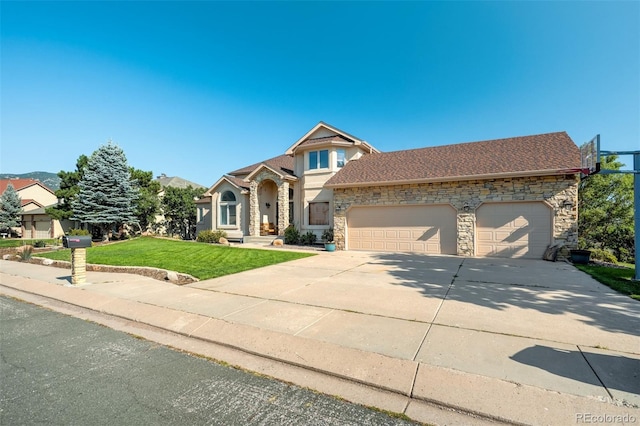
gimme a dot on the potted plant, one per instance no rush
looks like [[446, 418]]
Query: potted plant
[[327, 238], [580, 256]]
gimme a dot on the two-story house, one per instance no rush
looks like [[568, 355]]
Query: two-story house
[[508, 197]]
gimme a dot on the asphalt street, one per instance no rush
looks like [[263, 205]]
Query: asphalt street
[[56, 370]]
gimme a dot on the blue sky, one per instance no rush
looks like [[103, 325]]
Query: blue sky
[[198, 89]]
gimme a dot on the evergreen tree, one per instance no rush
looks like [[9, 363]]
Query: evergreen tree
[[10, 208], [179, 210], [106, 197], [605, 216], [68, 190]]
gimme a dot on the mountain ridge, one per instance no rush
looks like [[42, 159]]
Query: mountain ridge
[[50, 180]]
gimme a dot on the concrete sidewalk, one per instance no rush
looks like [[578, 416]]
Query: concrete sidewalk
[[520, 341]]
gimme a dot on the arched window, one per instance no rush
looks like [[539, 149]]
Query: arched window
[[228, 209]]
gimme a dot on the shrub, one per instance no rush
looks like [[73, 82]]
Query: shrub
[[78, 232], [327, 235], [39, 244], [210, 236], [309, 238], [603, 255], [25, 253], [291, 235]]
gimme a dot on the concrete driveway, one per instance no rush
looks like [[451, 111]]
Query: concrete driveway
[[483, 334], [534, 322]]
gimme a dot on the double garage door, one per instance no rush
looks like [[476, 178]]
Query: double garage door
[[519, 229], [424, 229]]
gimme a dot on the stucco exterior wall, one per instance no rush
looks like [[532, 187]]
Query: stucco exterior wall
[[39, 194], [559, 192]]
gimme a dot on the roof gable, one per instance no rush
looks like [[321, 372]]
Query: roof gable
[[234, 181], [263, 166], [551, 153], [323, 133], [24, 203], [20, 184]]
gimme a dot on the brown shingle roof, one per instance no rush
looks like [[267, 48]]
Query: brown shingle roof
[[241, 183], [281, 163], [546, 153]]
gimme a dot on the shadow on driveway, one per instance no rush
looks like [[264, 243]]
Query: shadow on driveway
[[616, 372], [546, 287]]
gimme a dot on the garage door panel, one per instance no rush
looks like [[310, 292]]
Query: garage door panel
[[427, 229], [513, 229]]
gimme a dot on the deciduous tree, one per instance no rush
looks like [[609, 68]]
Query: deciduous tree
[[147, 205], [179, 209], [605, 216]]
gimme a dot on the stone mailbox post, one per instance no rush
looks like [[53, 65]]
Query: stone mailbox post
[[78, 245]]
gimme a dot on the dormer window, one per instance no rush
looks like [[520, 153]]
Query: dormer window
[[342, 157], [319, 159]]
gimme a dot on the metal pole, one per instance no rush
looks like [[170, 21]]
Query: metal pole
[[636, 208]]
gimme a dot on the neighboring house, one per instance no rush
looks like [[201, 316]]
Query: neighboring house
[[506, 198], [174, 182], [35, 196]]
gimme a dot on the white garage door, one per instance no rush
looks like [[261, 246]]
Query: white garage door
[[424, 229], [43, 229], [513, 229]]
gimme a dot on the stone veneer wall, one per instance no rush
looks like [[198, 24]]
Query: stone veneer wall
[[559, 192]]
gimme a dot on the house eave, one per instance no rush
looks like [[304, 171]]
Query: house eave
[[456, 178]]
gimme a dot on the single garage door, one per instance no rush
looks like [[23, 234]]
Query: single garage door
[[43, 229], [425, 229], [513, 229]]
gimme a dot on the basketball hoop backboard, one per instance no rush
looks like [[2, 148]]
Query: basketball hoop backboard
[[590, 156]]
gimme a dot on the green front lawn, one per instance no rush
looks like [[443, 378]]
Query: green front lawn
[[203, 261], [19, 242], [619, 279]]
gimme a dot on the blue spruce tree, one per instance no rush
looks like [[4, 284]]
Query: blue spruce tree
[[107, 197], [10, 209]]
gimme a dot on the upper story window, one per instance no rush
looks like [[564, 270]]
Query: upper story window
[[342, 157], [228, 208], [319, 159]]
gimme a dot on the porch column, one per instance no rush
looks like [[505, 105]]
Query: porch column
[[254, 209], [283, 207]]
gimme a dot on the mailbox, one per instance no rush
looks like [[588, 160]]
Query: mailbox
[[76, 241]]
